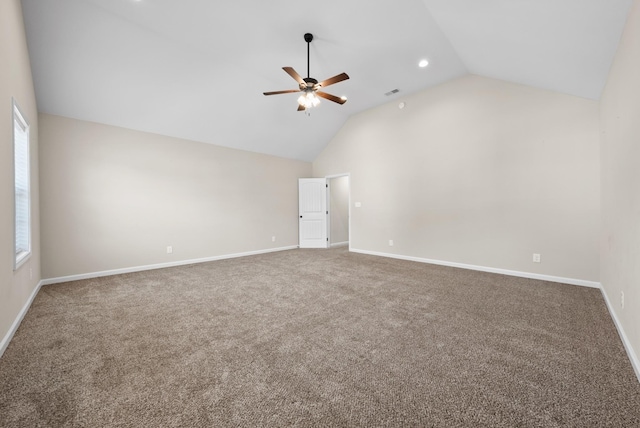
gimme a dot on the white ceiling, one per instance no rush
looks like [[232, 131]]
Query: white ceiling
[[196, 69]]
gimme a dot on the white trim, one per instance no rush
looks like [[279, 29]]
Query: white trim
[[345, 174], [328, 197], [16, 323], [635, 362], [529, 275], [633, 357], [340, 244], [160, 266], [348, 175]]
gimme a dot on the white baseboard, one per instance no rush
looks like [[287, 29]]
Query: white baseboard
[[14, 327], [529, 275], [339, 244], [633, 357], [159, 266]]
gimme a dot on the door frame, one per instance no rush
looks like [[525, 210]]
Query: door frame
[[328, 178]]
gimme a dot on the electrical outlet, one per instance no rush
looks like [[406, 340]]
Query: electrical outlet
[[169, 249], [622, 299], [391, 242], [536, 258], [273, 239]]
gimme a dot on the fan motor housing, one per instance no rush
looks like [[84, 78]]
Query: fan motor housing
[[309, 82]]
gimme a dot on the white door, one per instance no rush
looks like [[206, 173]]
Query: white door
[[312, 203]]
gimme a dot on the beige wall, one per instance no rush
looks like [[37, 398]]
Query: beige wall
[[16, 82], [339, 205], [113, 198], [476, 171], [620, 122]]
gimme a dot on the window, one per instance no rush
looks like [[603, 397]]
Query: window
[[21, 185]]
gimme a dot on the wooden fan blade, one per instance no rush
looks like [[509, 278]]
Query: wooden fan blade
[[301, 107], [288, 91], [330, 97], [291, 72], [334, 79]]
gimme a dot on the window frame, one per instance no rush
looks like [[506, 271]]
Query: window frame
[[20, 257]]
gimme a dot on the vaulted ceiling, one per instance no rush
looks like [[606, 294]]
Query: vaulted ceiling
[[196, 69]]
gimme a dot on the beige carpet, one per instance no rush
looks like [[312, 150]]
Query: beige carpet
[[317, 338]]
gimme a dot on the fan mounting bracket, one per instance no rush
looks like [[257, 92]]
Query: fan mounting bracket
[[308, 37]]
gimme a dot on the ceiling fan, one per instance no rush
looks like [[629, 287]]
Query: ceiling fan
[[310, 87]]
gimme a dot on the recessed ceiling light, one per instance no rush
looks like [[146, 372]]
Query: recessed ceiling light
[[423, 63]]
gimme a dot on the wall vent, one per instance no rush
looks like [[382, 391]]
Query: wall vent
[[394, 91]]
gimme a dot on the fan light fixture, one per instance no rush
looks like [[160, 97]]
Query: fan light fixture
[[310, 87], [308, 99]]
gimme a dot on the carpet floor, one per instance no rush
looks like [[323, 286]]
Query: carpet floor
[[317, 338]]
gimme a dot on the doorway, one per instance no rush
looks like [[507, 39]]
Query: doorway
[[338, 206]]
